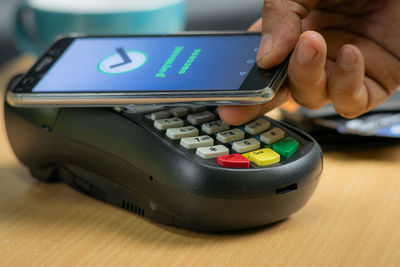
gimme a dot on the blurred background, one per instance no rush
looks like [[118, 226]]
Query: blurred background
[[201, 15]]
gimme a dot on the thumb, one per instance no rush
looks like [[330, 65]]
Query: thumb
[[281, 28]]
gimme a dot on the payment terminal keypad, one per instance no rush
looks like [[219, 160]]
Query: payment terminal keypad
[[200, 133]]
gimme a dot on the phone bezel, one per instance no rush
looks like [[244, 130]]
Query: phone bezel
[[22, 95]]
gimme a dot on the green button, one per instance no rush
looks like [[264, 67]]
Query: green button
[[286, 147]]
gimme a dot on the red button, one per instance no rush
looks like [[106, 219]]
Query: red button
[[233, 161]]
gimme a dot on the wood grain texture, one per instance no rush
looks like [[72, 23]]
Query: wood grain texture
[[352, 220]]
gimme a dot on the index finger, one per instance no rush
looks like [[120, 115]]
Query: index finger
[[281, 28]]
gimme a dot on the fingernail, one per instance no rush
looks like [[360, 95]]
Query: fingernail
[[347, 59], [306, 51], [266, 45]]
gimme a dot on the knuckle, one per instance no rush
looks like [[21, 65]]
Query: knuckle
[[269, 6], [297, 7]]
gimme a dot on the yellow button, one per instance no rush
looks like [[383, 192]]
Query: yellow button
[[247, 155], [264, 156]]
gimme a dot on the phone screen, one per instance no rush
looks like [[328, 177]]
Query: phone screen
[[154, 63]]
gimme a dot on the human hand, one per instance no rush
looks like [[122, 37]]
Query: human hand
[[345, 51]]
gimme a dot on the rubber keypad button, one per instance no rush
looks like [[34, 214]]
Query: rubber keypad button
[[199, 118], [165, 124], [159, 115], [214, 127], [195, 142], [179, 111], [230, 135], [272, 136], [246, 145], [257, 126], [233, 161], [212, 151], [264, 157], [286, 147], [182, 132]]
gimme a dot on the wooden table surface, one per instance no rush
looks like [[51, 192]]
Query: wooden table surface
[[353, 219]]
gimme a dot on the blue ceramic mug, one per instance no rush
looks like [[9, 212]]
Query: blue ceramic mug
[[39, 22]]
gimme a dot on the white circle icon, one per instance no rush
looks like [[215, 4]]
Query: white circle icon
[[122, 62]]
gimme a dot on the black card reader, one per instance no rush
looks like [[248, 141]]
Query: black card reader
[[177, 166]]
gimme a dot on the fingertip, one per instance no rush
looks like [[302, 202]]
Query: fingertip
[[264, 50], [305, 51], [310, 47], [314, 37], [355, 106], [307, 76], [282, 20], [348, 57], [347, 89], [237, 115], [352, 105]]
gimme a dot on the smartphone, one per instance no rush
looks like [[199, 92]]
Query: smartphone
[[182, 69]]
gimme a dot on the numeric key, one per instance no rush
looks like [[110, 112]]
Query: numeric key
[[197, 109], [195, 142], [257, 126], [214, 127], [159, 115], [198, 118], [168, 123], [181, 132], [246, 145], [230, 135], [272, 136], [179, 111]]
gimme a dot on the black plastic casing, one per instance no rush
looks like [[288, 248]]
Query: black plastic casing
[[110, 157]]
